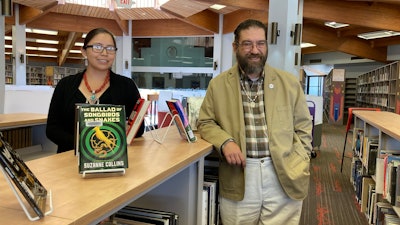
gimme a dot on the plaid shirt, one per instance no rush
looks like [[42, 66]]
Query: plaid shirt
[[254, 117]]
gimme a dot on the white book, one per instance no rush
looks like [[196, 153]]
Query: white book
[[212, 205], [204, 215]]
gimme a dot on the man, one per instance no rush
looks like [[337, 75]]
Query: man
[[258, 120]]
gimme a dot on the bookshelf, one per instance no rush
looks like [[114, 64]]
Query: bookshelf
[[9, 73], [371, 169], [378, 88], [35, 75], [350, 93], [39, 75], [56, 73]]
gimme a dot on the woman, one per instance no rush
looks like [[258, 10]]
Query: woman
[[97, 84]]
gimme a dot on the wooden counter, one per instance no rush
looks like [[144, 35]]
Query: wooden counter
[[14, 120], [78, 200]]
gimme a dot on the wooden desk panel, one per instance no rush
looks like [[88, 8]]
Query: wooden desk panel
[[85, 200]]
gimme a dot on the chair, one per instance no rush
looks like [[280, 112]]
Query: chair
[[349, 122]]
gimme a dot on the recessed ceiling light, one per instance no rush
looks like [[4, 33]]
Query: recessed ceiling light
[[217, 6], [336, 25], [378, 34]]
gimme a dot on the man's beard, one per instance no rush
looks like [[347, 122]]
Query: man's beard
[[251, 67]]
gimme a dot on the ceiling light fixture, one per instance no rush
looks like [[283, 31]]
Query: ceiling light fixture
[[307, 45], [75, 51], [336, 25], [39, 31], [47, 41], [378, 34], [217, 6]]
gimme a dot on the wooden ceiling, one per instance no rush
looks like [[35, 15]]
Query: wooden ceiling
[[194, 17]]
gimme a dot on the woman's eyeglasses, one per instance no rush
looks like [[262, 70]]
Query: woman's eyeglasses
[[98, 48]]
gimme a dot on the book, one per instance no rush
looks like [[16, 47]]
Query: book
[[193, 109], [150, 216], [181, 120], [101, 137], [211, 188], [136, 119], [23, 178]]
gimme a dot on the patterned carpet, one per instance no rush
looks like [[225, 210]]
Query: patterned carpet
[[331, 199]]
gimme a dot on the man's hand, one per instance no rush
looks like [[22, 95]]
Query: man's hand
[[233, 154]]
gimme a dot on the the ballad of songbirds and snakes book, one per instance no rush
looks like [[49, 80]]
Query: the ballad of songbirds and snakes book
[[101, 137]]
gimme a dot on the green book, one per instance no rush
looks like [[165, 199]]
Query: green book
[[101, 137]]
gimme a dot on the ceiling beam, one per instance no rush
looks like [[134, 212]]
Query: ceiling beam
[[354, 46], [374, 15], [123, 24], [232, 20], [28, 14], [74, 23], [206, 20], [253, 4], [149, 28], [72, 36]]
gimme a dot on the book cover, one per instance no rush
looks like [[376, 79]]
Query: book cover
[[23, 178], [136, 118], [101, 137], [185, 130], [193, 109]]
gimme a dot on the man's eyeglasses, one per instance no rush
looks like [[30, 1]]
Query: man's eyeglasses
[[248, 45], [98, 48]]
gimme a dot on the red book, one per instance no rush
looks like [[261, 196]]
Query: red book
[[136, 118], [181, 121]]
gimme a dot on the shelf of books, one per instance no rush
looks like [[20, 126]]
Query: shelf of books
[[374, 174], [9, 77], [378, 88]]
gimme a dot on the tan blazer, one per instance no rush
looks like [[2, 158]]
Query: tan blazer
[[289, 129]]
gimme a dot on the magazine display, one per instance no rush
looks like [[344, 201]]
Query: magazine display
[[181, 120]]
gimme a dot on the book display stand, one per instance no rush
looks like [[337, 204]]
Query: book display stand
[[155, 133], [20, 200], [103, 172]]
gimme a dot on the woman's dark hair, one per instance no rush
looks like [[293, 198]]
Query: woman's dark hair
[[95, 32], [246, 25]]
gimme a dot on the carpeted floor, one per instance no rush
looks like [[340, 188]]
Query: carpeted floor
[[331, 199]]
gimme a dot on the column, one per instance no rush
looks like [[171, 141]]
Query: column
[[285, 54], [2, 64], [19, 53], [123, 59]]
